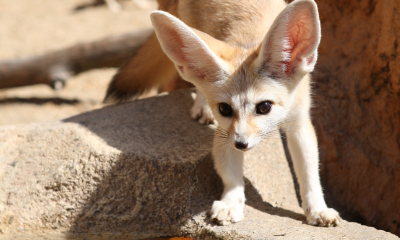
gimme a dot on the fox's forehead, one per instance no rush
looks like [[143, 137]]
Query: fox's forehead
[[245, 87]]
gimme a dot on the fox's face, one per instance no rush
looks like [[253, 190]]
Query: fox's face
[[250, 91], [246, 113]]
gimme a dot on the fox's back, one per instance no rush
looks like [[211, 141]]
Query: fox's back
[[240, 22]]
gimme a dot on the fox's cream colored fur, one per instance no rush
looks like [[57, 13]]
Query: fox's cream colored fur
[[250, 61]]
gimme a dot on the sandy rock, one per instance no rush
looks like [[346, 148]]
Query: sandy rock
[[142, 170], [357, 110]]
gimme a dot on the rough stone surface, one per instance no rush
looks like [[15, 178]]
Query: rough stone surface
[[357, 110], [142, 170]]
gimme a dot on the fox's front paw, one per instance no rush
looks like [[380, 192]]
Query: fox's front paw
[[326, 218], [202, 112], [223, 214]]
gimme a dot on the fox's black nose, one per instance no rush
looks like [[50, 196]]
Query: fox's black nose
[[241, 145]]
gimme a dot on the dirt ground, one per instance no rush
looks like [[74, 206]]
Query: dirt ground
[[30, 28]]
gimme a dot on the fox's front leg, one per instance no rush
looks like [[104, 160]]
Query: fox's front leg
[[229, 166], [303, 148], [201, 110]]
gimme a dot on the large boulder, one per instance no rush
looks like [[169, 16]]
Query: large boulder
[[357, 107], [142, 170]]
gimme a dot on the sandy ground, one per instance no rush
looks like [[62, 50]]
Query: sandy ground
[[30, 28]]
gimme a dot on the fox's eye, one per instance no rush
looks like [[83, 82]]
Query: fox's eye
[[225, 110], [263, 107]]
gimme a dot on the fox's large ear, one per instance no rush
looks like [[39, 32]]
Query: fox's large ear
[[193, 59], [290, 46]]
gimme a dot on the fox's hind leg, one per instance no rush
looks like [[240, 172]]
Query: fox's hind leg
[[229, 166]]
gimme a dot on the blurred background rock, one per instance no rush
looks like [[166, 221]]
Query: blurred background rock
[[30, 28]]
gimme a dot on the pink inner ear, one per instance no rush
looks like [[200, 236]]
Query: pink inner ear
[[175, 47], [175, 43], [301, 32]]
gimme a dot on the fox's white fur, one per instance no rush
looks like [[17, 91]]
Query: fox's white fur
[[273, 76]]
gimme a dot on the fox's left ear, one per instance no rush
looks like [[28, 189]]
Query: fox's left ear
[[290, 46], [193, 58]]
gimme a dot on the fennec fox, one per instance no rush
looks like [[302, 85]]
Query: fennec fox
[[250, 61]]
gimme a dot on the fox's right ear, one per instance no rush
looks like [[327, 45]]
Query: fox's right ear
[[193, 59]]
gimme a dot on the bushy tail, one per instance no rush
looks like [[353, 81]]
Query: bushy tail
[[145, 72]]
